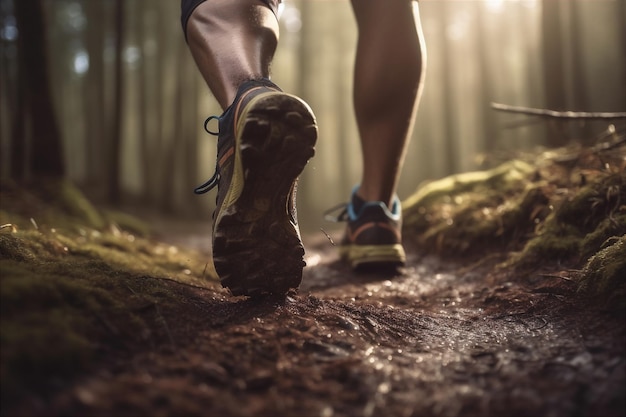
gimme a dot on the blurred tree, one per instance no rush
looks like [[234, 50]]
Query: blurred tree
[[113, 155], [36, 138], [143, 100], [553, 65], [567, 82], [94, 86]]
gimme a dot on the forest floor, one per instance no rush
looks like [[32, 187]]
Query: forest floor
[[108, 323]]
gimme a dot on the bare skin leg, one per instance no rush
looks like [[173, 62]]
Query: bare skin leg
[[232, 41], [388, 76], [265, 140]]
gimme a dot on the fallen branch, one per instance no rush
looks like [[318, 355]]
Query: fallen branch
[[558, 114]]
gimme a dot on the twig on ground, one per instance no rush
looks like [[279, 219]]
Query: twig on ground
[[558, 114], [330, 239], [555, 276]]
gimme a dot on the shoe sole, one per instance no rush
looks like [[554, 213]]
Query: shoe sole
[[256, 244], [360, 256]]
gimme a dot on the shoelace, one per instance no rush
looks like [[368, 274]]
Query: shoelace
[[341, 217], [215, 179]]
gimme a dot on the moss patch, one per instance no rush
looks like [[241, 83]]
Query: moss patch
[[580, 224], [469, 212], [74, 284], [604, 273], [558, 211]]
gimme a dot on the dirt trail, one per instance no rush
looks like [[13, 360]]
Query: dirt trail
[[438, 339]]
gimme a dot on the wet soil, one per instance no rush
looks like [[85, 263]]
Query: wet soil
[[441, 337]]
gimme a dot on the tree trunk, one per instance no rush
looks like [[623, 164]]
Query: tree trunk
[[45, 156], [18, 134], [553, 66], [451, 129], [94, 95], [116, 131]]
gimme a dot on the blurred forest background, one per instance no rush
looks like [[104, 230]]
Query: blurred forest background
[[126, 103]]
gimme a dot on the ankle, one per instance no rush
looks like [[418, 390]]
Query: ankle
[[363, 195]]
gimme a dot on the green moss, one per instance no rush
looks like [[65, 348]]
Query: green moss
[[47, 322], [541, 216], [579, 224], [57, 315], [69, 199], [472, 211], [129, 223], [11, 248], [604, 274], [555, 244], [606, 229], [38, 346], [71, 287], [511, 173], [61, 205], [592, 203]]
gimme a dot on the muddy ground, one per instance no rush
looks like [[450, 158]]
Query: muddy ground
[[99, 317], [438, 339]]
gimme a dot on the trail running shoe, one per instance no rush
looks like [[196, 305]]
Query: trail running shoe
[[265, 139], [373, 235]]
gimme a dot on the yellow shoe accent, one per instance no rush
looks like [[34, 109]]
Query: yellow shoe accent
[[358, 255]]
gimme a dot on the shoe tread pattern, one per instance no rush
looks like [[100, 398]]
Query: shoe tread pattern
[[256, 246]]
